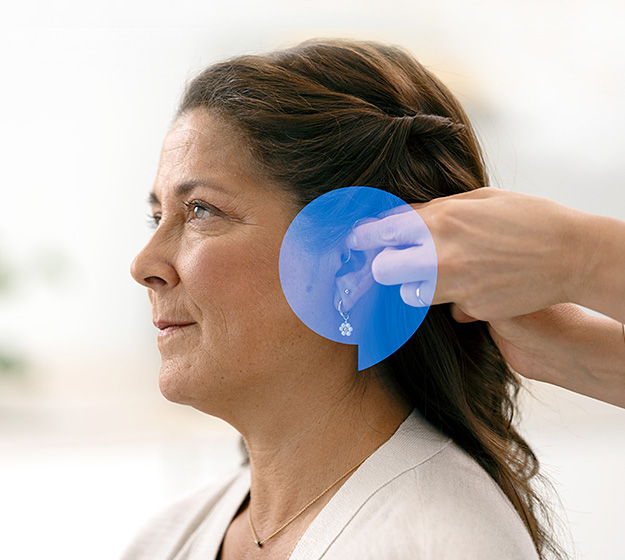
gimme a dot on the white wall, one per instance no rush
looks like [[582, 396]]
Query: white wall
[[88, 93]]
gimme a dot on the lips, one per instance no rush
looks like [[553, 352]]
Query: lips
[[163, 324], [168, 327]]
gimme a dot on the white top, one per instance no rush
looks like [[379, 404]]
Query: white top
[[418, 497]]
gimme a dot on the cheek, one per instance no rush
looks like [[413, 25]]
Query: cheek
[[212, 277], [236, 287]]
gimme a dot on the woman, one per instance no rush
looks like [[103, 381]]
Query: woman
[[415, 457]]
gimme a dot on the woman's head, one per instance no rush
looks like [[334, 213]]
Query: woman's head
[[291, 126], [275, 132]]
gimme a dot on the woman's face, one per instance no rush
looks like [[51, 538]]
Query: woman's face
[[211, 269]]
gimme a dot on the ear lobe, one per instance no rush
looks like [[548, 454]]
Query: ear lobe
[[351, 286]]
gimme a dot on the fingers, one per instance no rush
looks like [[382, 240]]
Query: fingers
[[399, 266], [421, 298], [402, 228]]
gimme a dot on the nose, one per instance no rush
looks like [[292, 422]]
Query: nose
[[153, 268]]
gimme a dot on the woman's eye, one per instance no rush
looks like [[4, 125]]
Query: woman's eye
[[153, 220], [195, 211], [199, 210]]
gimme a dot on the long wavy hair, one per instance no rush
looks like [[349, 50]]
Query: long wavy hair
[[335, 113]]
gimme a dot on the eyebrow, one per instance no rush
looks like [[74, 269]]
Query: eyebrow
[[181, 189]]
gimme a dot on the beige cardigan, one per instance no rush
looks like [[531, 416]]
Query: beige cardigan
[[418, 497]]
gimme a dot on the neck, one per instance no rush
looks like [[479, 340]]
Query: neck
[[298, 451]]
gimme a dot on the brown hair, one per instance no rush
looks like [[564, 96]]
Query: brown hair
[[335, 113]]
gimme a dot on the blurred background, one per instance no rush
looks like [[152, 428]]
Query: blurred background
[[88, 447]]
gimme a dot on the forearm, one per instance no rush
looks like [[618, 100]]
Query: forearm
[[598, 282], [598, 352]]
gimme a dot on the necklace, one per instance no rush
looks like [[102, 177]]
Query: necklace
[[259, 543]]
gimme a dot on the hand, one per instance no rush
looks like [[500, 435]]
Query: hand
[[500, 254], [565, 346], [541, 345]]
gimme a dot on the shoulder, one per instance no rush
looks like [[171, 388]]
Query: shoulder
[[442, 505], [166, 532], [464, 509]]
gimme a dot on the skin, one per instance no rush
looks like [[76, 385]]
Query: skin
[[521, 263], [245, 357]]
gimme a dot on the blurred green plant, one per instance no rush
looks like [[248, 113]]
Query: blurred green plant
[[10, 363], [47, 264], [6, 275]]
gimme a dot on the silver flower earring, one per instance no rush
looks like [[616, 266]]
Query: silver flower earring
[[345, 328]]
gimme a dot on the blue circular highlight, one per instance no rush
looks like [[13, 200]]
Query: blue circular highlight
[[320, 275]]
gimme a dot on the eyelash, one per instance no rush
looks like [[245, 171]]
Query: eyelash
[[154, 219], [194, 204]]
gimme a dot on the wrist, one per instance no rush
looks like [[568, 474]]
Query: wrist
[[582, 253], [598, 273]]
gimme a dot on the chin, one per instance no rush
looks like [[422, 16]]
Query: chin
[[183, 384], [175, 385]]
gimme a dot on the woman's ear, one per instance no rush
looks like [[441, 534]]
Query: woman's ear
[[354, 278]]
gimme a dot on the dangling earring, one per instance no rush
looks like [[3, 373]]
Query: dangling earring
[[345, 328]]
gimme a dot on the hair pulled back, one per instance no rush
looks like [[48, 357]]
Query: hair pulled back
[[336, 113]]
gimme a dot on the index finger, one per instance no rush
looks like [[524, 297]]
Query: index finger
[[403, 227]]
